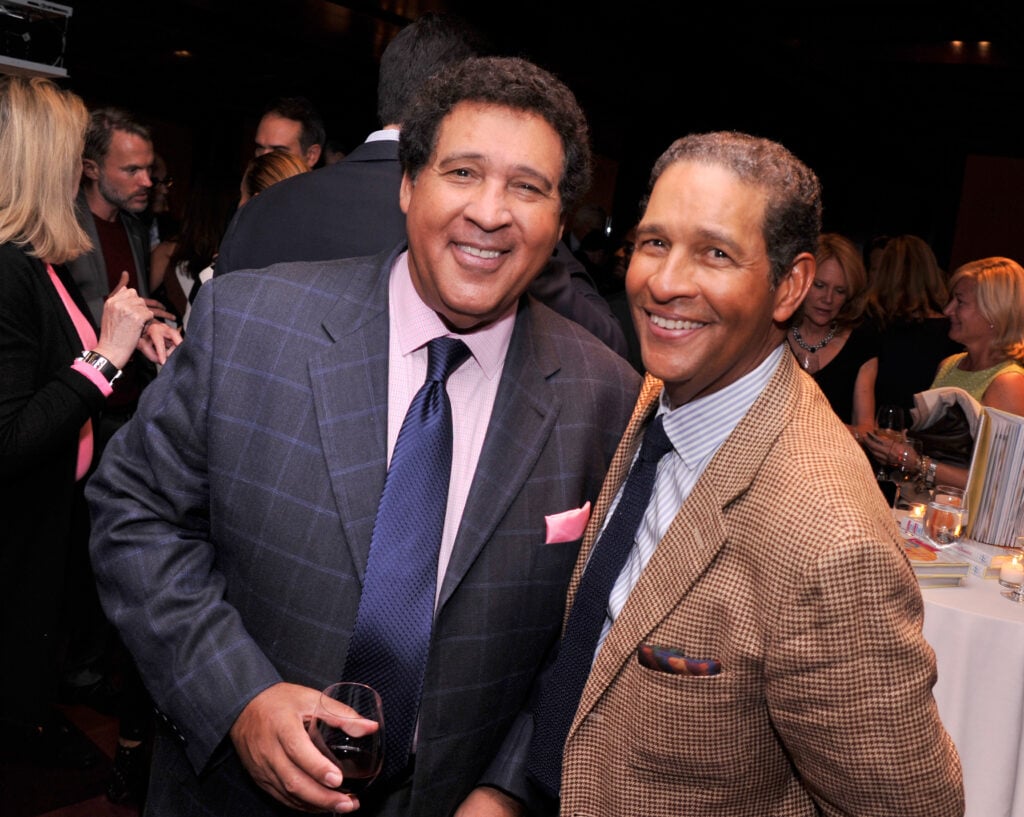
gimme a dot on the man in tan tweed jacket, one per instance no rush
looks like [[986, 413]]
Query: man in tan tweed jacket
[[762, 651]]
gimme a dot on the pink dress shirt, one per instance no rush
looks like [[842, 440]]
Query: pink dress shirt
[[471, 388]]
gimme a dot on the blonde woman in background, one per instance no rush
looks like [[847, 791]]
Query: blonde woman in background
[[51, 396], [986, 313]]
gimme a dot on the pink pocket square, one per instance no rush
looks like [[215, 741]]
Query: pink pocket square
[[567, 526]]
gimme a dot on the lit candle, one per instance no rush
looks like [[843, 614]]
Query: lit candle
[[1012, 572], [916, 510]]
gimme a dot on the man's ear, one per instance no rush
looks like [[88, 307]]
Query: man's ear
[[312, 156], [405, 192], [90, 169], [791, 290]]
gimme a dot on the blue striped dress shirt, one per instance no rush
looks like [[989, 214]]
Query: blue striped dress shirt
[[697, 430]]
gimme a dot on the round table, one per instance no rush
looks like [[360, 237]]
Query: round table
[[978, 638]]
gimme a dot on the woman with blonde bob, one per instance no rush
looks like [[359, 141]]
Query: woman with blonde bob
[[56, 371], [986, 313]]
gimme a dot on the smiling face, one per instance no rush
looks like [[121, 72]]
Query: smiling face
[[827, 294], [484, 213], [699, 282], [966, 323]]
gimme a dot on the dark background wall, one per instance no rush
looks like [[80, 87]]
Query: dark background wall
[[908, 131]]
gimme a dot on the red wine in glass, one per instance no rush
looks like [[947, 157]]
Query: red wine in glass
[[348, 728], [359, 766]]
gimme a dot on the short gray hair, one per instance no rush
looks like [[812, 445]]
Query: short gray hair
[[792, 217]]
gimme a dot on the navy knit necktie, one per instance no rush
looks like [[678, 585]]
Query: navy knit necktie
[[565, 681], [391, 639]]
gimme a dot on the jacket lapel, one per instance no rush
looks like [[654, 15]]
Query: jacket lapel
[[524, 414], [138, 243], [698, 531], [350, 389]]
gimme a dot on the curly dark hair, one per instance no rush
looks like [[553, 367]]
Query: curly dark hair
[[792, 216], [509, 82]]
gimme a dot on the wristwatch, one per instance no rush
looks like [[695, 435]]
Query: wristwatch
[[100, 364]]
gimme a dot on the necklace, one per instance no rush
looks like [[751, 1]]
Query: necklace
[[817, 346]]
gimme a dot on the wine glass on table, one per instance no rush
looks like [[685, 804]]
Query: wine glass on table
[[890, 422], [348, 728]]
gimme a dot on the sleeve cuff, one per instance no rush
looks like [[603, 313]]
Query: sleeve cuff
[[98, 380]]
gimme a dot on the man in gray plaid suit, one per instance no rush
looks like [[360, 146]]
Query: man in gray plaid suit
[[233, 517]]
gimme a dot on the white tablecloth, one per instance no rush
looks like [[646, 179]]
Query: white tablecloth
[[978, 638]]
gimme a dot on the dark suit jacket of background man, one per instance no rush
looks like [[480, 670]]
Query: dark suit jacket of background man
[[344, 210], [264, 440], [350, 209], [90, 269]]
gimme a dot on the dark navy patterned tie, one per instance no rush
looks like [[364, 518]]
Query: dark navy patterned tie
[[389, 644], [564, 683]]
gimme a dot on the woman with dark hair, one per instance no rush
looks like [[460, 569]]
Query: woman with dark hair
[[209, 211], [906, 302], [56, 371], [211, 202], [827, 336]]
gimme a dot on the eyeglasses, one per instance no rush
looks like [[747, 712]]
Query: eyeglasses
[[166, 181]]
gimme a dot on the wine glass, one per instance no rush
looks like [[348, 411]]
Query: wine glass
[[348, 728], [908, 492], [890, 421]]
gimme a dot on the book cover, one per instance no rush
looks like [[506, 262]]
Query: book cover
[[985, 571], [989, 555], [995, 482], [930, 564], [939, 581]]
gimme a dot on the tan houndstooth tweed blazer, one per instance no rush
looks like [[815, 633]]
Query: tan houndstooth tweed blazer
[[785, 565]]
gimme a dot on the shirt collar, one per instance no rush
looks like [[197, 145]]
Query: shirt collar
[[385, 135], [698, 428], [416, 324]]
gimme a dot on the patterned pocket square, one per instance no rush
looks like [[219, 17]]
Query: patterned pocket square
[[567, 526], [667, 659]]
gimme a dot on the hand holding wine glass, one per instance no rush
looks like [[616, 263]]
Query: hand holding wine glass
[[890, 422], [348, 728]]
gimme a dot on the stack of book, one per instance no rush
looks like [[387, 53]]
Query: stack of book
[[986, 560], [935, 567], [995, 485]]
